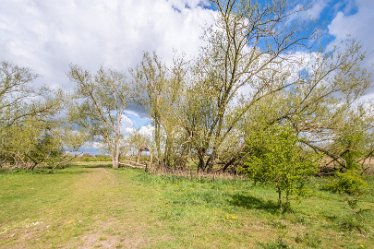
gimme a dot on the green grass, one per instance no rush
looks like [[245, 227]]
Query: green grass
[[88, 207]]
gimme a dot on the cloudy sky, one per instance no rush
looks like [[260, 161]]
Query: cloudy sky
[[48, 36]]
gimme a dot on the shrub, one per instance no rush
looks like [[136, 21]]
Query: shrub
[[355, 220], [278, 244], [349, 182], [277, 158], [310, 239]]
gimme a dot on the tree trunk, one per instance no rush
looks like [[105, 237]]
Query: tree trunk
[[158, 140], [286, 206], [115, 162], [138, 157], [201, 165], [115, 157], [117, 143], [168, 153], [210, 162], [279, 198]]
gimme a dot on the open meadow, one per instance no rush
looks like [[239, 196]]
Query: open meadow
[[186, 124], [99, 207]]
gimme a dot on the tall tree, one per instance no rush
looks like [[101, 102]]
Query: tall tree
[[101, 100], [245, 51], [150, 79], [249, 61], [160, 88]]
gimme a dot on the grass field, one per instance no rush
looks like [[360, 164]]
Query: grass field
[[93, 207]]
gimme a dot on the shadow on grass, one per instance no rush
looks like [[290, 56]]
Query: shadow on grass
[[251, 202]]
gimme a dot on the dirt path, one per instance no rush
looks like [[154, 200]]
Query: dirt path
[[113, 202]]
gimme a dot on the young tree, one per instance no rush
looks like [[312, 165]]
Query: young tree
[[275, 157], [101, 103], [138, 143]]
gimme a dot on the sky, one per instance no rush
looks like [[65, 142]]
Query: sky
[[48, 36]]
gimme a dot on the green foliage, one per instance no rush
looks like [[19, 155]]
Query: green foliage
[[94, 158], [278, 244], [355, 220], [100, 103], [187, 212], [30, 133], [275, 157], [351, 140], [31, 143], [348, 182], [310, 239]]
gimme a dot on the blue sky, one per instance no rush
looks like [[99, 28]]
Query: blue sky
[[48, 36], [318, 14]]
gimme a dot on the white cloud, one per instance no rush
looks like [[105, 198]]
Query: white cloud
[[93, 146], [180, 4], [132, 113], [314, 12], [47, 36], [147, 131], [127, 126], [310, 10], [127, 122], [368, 99], [356, 26], [128, 130]]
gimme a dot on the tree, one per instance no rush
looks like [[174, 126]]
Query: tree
[[244, 51], [19, 100], [275, 157], [138, 143], [101, 100], [29, 131], [200, 109], [352, 144], [150, 78], [160, 89], [323, 99]]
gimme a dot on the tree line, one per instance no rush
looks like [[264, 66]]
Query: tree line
[[257, 100]]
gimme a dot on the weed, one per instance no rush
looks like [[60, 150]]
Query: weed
[[278, 244], [356, 219], [309, 239]]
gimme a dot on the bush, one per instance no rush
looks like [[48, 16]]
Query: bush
[[278, 244], [349, 182], [355, 220], [93, 158], [309, 239], [276, 157]]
